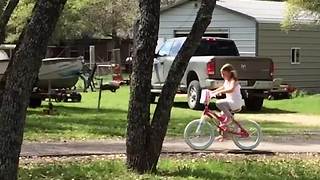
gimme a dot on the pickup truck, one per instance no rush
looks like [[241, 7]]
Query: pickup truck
[[203, 72]]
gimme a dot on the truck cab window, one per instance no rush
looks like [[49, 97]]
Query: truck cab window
[[216, 47], [165, 49], [176, 47]]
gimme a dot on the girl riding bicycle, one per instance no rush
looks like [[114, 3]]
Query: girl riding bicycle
[[200, 133], [233, 101]]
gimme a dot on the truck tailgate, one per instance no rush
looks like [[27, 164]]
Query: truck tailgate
[[248, 68]]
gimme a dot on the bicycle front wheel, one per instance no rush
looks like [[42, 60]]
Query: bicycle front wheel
[[253, 139], [199, 134]]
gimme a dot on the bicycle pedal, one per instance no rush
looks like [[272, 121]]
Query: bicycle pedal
[[223, 127]]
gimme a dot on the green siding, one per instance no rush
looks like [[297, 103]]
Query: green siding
[[276, 43]]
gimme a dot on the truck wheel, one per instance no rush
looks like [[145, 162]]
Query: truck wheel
[[194, 95], [254, 103]]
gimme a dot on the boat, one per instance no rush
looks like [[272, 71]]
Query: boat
[[4, 61], [60, 72], [55, 73]]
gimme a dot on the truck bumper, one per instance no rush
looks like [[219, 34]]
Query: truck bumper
[[213, 84], [258, 85]]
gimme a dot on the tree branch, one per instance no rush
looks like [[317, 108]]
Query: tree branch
[[20, 77], [162, 113], [145, 40], [5, 17]]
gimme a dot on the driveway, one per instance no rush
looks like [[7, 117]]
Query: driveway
[[110, 147]]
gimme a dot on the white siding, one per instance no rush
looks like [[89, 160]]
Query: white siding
[[241, 29], [277, 44]]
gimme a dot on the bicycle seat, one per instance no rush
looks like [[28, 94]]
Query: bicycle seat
[[235, 111]]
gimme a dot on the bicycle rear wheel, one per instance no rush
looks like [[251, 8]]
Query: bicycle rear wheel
[[247, 142], [199, 134]]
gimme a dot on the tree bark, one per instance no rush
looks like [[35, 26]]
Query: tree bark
[[162, 112], [5, 17], [3, 4], [20, 77], [138, 130], [145, 139]]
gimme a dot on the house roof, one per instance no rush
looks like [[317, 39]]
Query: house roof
[[260, 11]]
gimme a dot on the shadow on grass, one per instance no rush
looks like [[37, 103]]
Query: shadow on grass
[[77, 110], [202, 173], [80, 122], [264, 110], [77, 121], [285, 128], [184, 105], [180, 104]]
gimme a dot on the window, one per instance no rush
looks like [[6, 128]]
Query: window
[[295, 55], [176, 47], [216, 47], [222, 33], [165, 49]]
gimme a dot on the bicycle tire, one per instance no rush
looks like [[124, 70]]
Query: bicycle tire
[[251, 127], [207, 131]]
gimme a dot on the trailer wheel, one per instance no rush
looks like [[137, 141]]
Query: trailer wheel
[[59, 98], [76, 98], [65, 99], [35, 102]]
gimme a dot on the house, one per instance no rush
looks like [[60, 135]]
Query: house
[[255, 26], [104, 49]]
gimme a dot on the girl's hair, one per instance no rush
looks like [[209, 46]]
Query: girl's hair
[[230, 68]]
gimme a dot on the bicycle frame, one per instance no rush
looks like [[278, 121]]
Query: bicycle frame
[[215, 117]]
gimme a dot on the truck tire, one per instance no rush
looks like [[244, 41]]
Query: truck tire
[[254, 103], [194, 95]]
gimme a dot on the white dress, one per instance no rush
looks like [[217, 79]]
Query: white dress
[[235, 98]]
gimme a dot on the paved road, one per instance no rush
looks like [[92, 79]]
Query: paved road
[[170, 146]]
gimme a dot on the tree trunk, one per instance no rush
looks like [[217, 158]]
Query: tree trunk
[[3, 4], [114, 23], [144, 141], [20, 77], [116, 39], [5, 17], [162, 113], [138, 130]]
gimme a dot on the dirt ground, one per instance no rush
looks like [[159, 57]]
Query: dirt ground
[[295, 118]]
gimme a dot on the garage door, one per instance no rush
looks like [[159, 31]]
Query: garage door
[[222, 33]]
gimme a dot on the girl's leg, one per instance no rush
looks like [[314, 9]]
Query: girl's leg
[[224, 106]]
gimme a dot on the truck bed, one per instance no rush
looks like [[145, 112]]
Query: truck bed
[[248, 68]]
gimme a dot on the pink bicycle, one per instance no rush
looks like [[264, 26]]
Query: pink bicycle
[[200, 134]]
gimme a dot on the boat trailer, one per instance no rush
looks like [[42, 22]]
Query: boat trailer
[[58, 95]]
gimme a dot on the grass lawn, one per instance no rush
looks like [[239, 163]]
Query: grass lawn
[[266, 168], [305, 105], [82, 121]]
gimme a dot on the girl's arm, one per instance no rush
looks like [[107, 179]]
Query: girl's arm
[[219, 89], [216, 92], [232, 87]]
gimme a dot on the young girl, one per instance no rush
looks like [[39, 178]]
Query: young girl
[[233, 100]]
